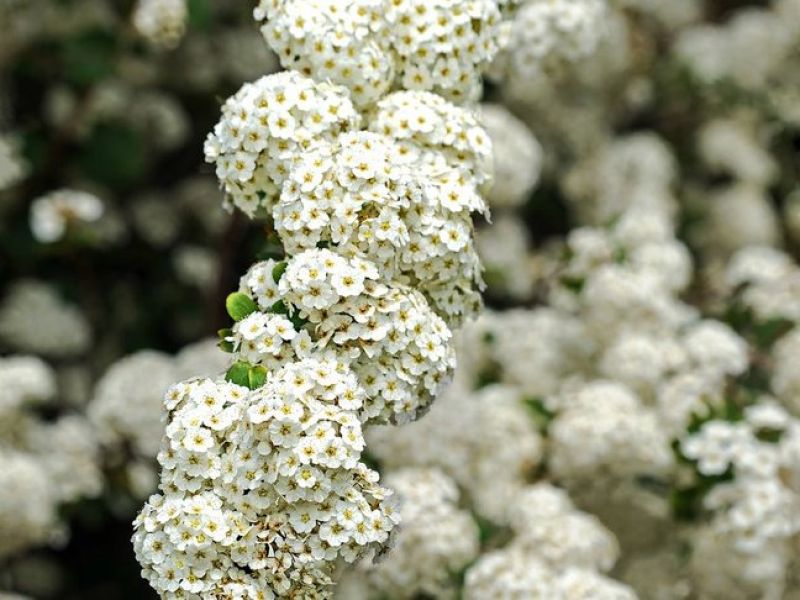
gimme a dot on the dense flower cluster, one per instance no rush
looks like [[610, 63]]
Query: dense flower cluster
[[263, 488], [370, 199], [374, 46], [290, 451], [756, 513], [398, 347], [265, 128], [483, 440]]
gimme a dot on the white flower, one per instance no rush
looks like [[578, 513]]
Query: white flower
[[161, 22], [53, 213]]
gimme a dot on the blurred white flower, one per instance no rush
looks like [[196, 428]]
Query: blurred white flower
[[51, 215]]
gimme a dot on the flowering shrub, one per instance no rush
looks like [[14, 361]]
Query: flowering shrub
[[616, 180]]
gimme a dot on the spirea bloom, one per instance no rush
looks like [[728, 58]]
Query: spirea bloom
[[262, 491], [375, 46], [369, 197], [265, 128], [399, 348]]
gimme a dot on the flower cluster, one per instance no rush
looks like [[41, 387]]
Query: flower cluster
[[371, 198], [436, 540], [400, 349], [374, 46], [557, 552], [756, 512], [265, 128], [31, 307], [263, 489], [45, 464], [426, 124], [546, 34], [289, 450], [483, 440], [603, 425]]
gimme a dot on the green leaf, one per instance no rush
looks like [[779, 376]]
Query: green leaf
[[278, 271], [225, 346], [256, 377], [239, 306], [239, 373], [224, 333], [279, 308]]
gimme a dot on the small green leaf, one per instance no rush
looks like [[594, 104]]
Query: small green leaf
[[279, 308], [224, 333], [239, 373], [278, 270], [240, 305], [225, 346], [256, 377]]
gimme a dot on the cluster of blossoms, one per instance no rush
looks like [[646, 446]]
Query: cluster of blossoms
[[266, 126], [263, 487], [400, 197], [374, 46], [437, 540], [546, 34], [717, 52], [161, 22], [413, 222], [755, 508], [559, 52], [557, 552], [262, 490], [44, 464], [399, 348], [32, 307]]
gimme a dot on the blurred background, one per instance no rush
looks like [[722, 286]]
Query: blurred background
[[645, 234]]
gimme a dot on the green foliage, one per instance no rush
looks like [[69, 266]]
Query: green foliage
[[247, 375], [239, 373], [240, 305], [278, 271], [541, 415]]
